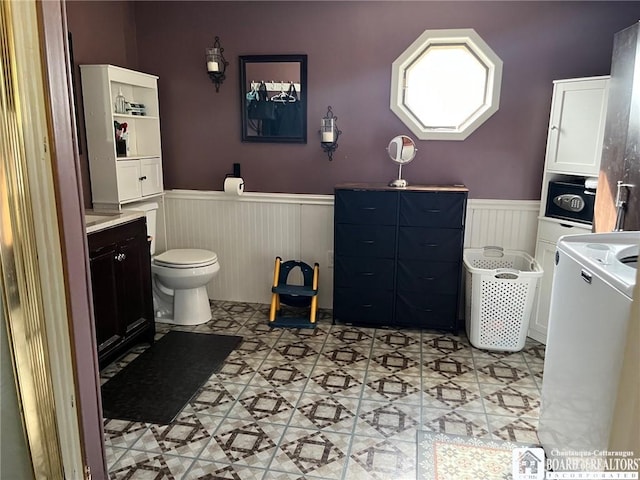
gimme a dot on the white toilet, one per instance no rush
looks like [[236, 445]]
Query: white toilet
[[180, 278]]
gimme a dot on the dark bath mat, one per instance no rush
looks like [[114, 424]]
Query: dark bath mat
[[158, 384]]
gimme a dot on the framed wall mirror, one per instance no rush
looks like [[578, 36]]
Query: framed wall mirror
[[273, 98]]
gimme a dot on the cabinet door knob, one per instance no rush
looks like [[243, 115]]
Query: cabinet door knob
[[120, 257]]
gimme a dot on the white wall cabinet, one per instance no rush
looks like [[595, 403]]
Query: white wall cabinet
[[576, 126], [134, 175], [574, 147]]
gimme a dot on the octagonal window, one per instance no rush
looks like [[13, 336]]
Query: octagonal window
[[446, 84]]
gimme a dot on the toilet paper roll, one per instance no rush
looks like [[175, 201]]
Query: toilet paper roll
[[233, 186]]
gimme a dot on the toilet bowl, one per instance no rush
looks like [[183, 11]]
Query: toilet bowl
[[180, 278]]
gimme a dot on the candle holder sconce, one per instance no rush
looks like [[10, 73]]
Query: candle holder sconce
[[329, 133], [216, 63]]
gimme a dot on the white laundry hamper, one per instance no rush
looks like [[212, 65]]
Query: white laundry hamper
[[500, 291]]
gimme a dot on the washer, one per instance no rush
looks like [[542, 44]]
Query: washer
[[590, 306]]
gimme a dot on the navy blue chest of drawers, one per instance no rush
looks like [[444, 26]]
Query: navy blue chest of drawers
[[398, 255]]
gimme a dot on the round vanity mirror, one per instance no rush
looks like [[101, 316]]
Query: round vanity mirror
[[402, 150]]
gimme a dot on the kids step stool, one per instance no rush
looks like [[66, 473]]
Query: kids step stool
[[294, 295]]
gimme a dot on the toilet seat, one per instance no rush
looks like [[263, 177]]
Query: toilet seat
[[186, 258]]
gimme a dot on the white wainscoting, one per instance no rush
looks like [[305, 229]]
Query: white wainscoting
[[510, 224], [248, 232]]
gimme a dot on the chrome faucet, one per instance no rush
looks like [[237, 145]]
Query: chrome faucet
[[621, 205]]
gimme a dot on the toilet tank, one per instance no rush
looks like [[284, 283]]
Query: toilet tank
[[150, 209]]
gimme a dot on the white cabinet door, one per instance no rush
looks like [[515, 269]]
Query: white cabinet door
[[549, 232], [545, 255], [128, 173], [576, 126], [151, 169]]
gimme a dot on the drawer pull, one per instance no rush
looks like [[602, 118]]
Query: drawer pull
[[426, 310], [431, 210], [368, 305], [367, 274], [427, 278], [430, 245], [369, 208], [368, 242]]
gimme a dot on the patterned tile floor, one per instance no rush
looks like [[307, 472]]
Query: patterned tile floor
[[336, 402]]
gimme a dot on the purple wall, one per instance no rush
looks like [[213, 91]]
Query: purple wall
[[103, 32], [350, 48]]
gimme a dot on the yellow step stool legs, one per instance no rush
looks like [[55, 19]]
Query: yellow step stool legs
[[275, 298], [314, 299]]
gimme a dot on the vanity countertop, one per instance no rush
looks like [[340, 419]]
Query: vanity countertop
[[96, 220]]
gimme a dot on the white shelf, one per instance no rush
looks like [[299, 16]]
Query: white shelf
[[135, 117], [569, 223], [574, 147], [136, 157], [120, 179]]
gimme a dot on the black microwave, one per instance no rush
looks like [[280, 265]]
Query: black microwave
[[570, 201]]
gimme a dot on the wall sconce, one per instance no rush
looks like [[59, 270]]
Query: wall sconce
[[216, 64], [329, 133]]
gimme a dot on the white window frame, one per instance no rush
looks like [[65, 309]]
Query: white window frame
[[468, 38]]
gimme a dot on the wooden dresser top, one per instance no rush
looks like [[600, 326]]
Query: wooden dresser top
[[410, 188]]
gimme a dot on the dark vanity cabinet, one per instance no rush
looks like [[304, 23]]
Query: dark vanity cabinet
[[398, 255], [120, 265]]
